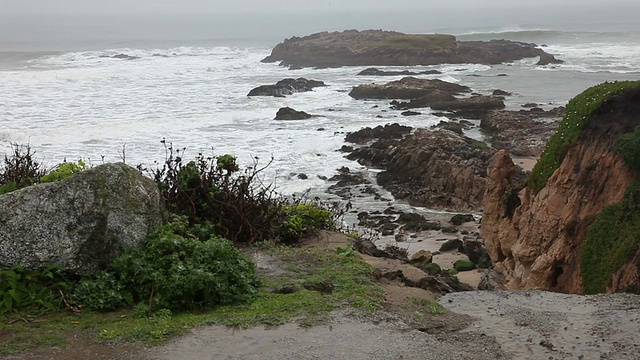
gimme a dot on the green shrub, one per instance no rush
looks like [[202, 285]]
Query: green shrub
[[301, 218], [612, 241], [8, 187], [182, 273], [99, 291], [577, 115], [240, 207], [63, 171], [22, 289], [20, 169], [629, 148]]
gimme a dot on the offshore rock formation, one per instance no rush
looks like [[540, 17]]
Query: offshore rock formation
[[434, 93], [389, 48], [80, 223], [406, 88], [535, 239], [436, 169], [378, 72], [287, 113], [286, 87]]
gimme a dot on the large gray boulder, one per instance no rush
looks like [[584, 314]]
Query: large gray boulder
[[80, 223]]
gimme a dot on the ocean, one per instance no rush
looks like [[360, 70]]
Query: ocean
[[63, 95]]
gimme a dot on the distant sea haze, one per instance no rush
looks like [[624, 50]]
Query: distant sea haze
[[35, 32]]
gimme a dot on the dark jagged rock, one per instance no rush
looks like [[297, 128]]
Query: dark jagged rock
[[547, 59], [435, 169], [523, 133], [476, 252], [121, 57], [286, 87], [392, 131], [406, 88], [499, 92], [451, 245], [389, 48], [434, 97], [492, 281], [80, 223], [410, 113], [287, 113], [474, 107], [377, 72], [460, 219]]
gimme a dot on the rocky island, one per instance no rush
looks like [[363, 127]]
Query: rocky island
[[390, 48]]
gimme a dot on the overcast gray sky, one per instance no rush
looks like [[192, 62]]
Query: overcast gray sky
[[217, 6]]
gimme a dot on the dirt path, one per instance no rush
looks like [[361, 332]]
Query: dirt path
[[544, 325], [345, 337], [504, 325]]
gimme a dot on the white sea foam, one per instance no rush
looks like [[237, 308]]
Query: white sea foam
[[81, 105]]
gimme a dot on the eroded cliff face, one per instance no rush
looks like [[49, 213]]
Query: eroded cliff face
[[534, 239]]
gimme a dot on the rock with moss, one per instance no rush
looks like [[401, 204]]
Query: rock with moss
[[464, 265], [421, 258], [80, 223]]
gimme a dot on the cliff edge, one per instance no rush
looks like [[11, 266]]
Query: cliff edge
[[573, 225]]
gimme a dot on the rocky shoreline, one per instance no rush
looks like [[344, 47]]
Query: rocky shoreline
[[446, 179]]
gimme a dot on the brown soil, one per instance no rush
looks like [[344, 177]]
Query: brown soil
[[82, 346]]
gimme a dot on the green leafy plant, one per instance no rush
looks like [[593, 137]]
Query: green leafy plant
[[346, 251], [20, 169], [577, 116], [612, 241], [39, 290], [301, 218], [183, 273], [99, 291], [629, 148], [238, 206], [63, 171]]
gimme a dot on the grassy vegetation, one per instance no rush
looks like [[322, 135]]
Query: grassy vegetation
[[612, 241], [325, 280], [577, 115], [428, 305], [614, 238], [629, 148]]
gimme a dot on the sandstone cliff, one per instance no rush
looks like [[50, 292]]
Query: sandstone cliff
[[389, 48], [536, 238]]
